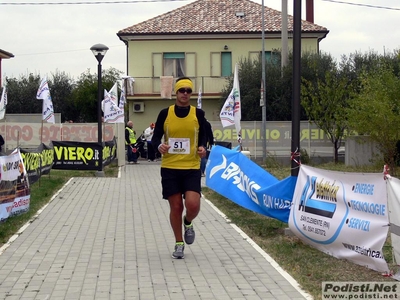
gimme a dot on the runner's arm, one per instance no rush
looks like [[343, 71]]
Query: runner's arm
[[158, 132]]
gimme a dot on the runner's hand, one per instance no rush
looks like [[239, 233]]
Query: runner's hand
[[163, 148], [201, 151]]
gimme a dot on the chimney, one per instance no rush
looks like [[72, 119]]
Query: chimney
[[310, 11]]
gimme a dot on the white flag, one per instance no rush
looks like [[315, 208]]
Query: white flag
[[47, 108], [199, 104], [122, 99], [3, 103], [231, 113], [112, 113], [114, 93]]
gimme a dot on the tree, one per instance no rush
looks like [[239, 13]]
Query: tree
[[21, 95], [85, 93], [376, 110], [61, 87], [325, 101], [278, 96], [278, 85], [249, 82], [75, 101]]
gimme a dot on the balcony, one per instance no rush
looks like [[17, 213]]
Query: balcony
[[147, 86]]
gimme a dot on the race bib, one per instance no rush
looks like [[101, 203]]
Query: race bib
[[179, 146]]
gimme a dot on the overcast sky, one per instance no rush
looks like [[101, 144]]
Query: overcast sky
[[49, 38]]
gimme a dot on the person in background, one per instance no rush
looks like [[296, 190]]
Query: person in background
[[130, 140], [148, 134], [1, 143], [183, 128], [209, 144]]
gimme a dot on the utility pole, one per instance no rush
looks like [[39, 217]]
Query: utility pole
[[284, 35], [263, 88], [295, 147]]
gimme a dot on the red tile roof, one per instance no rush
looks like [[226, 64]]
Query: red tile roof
[[216, 16]]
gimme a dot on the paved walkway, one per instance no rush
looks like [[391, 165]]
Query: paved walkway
[[110, 238]]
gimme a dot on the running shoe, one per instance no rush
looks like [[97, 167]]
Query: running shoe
[[189, 233], [178, 253]]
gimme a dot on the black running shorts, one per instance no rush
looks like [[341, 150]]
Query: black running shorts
[[175, 181]]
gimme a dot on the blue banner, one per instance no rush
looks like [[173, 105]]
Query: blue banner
[[236, 177]]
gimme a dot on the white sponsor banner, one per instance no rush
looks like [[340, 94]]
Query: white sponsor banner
[[342, 214], [393, 189], [14, 186], [22, 188]]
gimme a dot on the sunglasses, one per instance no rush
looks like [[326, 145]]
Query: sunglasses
[[183, 90]]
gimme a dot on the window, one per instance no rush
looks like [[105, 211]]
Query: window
[[221, 64], [174, 64], [226, 64], [272, 56]]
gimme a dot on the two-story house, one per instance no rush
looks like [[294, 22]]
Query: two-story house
[[4, 55], [202, 40]]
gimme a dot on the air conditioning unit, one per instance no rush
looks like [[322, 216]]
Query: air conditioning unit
[[138, 107]]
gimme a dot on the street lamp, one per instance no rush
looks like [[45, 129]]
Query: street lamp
[[99, 50]]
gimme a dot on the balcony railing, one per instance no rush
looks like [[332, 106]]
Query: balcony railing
[[152, 85]]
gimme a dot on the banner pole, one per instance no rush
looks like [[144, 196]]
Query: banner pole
[[5, 133], [104, 130], [41, 133]]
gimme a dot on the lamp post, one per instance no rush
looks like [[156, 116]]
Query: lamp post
[[99, 50]]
